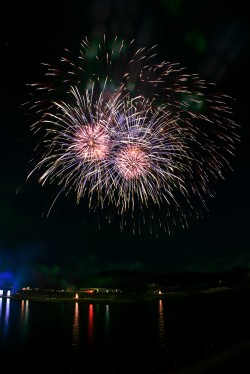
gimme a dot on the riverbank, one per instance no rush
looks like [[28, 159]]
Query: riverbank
[[94, 299], [118, 298]]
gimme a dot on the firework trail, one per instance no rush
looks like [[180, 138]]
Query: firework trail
[[137, 139]]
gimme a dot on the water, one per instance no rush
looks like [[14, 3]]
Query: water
[[129, 337]]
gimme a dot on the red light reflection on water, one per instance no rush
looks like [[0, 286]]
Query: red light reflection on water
[[90, 324], [161, 323]]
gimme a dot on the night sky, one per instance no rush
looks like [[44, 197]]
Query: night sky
[[210, 38]]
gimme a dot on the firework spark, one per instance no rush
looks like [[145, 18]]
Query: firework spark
[[132, 162], [130, 135], [76, 143], [91, 142]]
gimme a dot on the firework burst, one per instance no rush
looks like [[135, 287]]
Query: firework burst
[[76, 143], [132, 136]]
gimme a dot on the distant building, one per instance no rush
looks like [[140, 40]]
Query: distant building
[[93, 290], [5, 291]]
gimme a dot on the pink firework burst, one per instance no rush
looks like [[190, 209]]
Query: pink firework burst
[[132, 162], [76, 145], [91, 142], [147, 160]]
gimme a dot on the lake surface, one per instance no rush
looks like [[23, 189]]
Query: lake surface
[[128, 337]]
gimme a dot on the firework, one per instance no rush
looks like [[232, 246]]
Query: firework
[[133, 137], [113, 153], [76, 143]]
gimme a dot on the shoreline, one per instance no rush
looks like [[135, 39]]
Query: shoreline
[[114, 298]]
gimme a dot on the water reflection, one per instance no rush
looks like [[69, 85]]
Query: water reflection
[[107, 321], [6, 316], [24, 316], [24, 312], [161, 324], [90, 324], [1, 305], [76, 331]]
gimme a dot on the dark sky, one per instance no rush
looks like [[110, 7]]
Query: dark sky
[[211, 38]]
